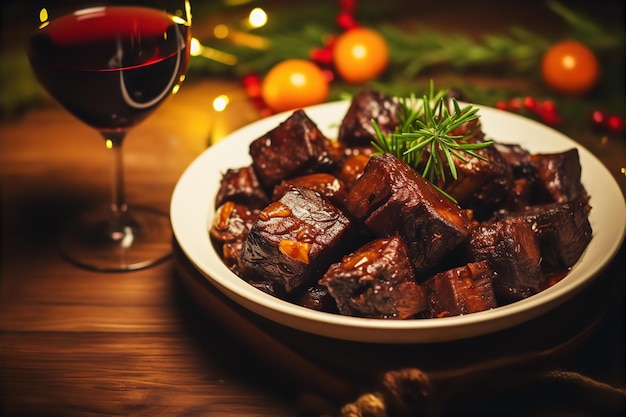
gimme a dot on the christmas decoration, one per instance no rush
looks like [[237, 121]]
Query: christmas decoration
[[607, 123], [360, 54], [247, 49], [407, 54], [292, 84], [570, 67], [543, 110], [345, 18]]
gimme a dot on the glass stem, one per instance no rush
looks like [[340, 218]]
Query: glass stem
[[113, 141]]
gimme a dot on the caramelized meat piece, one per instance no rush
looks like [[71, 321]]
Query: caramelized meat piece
[[231, 223], [317, 297], [231, 253], [391, 198], [376, 281], [352, 168], [520, 195], [518, 159], [356, 127], [463, 290], [295, 239], [482, 185], [562, 229], [511, 248], [559, 175], [295, 147], [242, 186], [327, 185], [229, 228], [268, 287]]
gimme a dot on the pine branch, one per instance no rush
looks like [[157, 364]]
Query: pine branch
[[412, 53]]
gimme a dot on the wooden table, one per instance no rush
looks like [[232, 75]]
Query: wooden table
[[80, 343]]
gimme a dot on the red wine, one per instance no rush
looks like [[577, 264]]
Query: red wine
[[110, 66]]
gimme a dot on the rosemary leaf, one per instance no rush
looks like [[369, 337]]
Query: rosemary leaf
[[427, 138]]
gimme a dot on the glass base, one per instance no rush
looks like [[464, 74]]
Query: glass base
[[135, 240]]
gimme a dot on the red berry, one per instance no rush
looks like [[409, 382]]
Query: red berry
[[346, 21], [530, 103], [615, 124], [266, 111], [548, 106], [258, 103], [253, 91], [329, 74], [502, 105], [322, 56], [551, 118], [515, 104], [250, 79], [598, 120], [546, 110]]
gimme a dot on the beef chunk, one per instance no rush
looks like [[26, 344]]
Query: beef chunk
[[295, 239], [242, 186], [352, 168], [327, 185], [317, 297], [510, 246], [518, 159], [559, 176], [524, 173], [520, 196], [268, 287], [562, 229], [356, 127], [463, 290], [483, 186], [295, 147], [391, 198], [229, 228], [376, 281], [231, 223], [231, 254]]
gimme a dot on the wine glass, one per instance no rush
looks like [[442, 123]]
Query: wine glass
[[110, 64]]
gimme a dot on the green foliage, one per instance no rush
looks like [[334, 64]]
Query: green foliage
[[428, 137]]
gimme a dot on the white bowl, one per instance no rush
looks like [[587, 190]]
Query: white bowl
[[192, 210]]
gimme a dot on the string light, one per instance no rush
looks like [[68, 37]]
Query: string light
[[197, 49], [219, 129], [43, 15], [257, 18], [43, 18], [250, 40], [221, 31], [221, 102]]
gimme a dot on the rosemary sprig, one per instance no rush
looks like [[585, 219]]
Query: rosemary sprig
[[425, 137]]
